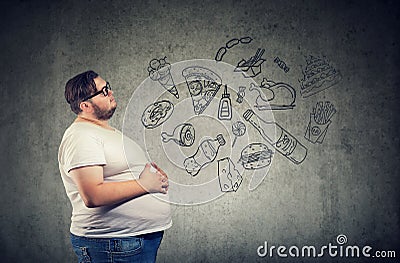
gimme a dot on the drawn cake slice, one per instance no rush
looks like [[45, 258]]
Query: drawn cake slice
[[203, 85], [317, 76]]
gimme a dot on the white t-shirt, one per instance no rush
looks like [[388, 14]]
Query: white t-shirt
[[85, 144]]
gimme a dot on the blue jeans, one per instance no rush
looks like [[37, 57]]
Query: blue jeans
[[141, 248]]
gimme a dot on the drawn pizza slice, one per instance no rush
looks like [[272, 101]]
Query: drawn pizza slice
[[203, 85]]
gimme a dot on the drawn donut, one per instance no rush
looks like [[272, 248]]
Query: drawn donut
[[157, 113]]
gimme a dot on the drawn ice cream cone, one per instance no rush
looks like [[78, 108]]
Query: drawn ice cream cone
[[166, 81], [160, 70]]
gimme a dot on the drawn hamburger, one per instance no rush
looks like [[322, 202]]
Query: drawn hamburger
[[255, 156]]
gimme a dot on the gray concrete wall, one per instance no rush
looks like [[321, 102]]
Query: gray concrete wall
[[347, 185]]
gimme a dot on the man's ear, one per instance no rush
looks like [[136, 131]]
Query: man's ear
[[85, 106]]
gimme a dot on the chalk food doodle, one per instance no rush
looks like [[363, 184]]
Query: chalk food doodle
[[157, 113], [203, 85], [318, 75], [320, 119], [286, 144], [230, 44], [183, 135], [232, 131], [229, 177], [201, 138], [281, 64], [240, 94], [160, 70], [238, 129], [225, 106], [206, 153], [252, 66], [256, 156], [274, 96]]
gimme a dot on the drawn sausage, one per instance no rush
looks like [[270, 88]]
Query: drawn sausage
[[232, 42], [220, 54], [245, 40]]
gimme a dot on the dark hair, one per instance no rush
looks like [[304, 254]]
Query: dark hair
[[80, 87]]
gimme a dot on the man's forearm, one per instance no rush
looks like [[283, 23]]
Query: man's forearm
[[109, 193]]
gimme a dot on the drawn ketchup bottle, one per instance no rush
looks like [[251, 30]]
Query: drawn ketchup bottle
[[225, 106], [286, 144], [205, 154]]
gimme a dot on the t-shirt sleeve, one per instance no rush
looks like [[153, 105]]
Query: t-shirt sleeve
[[83, 149]]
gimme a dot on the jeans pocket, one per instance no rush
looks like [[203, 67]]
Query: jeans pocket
[[82, 253], [129, 247]]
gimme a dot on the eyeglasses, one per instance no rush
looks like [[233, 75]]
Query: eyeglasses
[[104, 90]]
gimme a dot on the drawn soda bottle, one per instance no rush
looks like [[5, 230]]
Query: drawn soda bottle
[[225, 106], [205, 154], [286, 144]]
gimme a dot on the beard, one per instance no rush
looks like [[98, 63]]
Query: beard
[[102, 114]]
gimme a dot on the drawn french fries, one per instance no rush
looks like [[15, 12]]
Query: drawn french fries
[[320, 119]]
